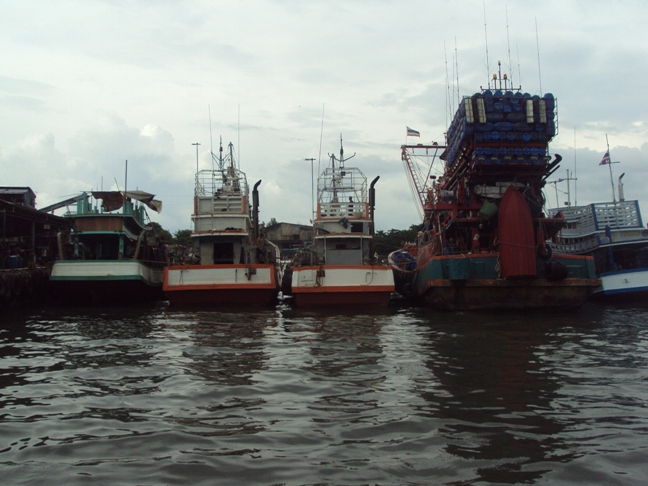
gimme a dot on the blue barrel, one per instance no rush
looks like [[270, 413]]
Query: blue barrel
[[549, 101]]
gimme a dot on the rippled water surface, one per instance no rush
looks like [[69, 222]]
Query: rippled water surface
[[153, 395]]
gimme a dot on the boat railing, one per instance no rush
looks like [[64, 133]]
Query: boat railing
[[347, 210], [218, 183], [595, 217], [577, 247], [90, 207], [342, 184]]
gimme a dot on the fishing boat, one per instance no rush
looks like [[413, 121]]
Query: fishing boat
[[232, 262], [341, 267], [614, 234], [110, 255], [482, 244]]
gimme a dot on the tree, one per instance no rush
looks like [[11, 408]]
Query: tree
[[182, 237], [386, 242], [159, 232]]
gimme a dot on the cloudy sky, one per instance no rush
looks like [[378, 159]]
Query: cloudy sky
[[87, 85]]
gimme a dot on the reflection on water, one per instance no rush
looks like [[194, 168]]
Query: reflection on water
[[153, 395]]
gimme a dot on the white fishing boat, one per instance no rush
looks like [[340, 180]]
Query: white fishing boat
[[614, 234], [232, 263], [109, 256], [341, 266]]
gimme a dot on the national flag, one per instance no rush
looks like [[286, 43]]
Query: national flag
[[412, 133], [606, 159]]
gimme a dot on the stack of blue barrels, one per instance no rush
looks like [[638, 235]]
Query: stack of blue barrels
[[495, 127]]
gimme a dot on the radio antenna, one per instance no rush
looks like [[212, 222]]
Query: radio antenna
[[508, 45], [211, 141], [486, 37], [319, 157], [538, 49], [457, 70], [448, 96]]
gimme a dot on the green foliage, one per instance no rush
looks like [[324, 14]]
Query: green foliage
[[159, 232], [386, 242], [182, 237]]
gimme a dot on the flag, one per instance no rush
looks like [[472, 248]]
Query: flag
[[606, 159], [412, 133]]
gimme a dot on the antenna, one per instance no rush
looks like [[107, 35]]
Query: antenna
[[126, 183], [238, 136], [538, 49], [517, 49], [319, 157], [575, 172], [211, 142], [196, 144], [486, 37], [457, 70], [312, 188], [508, 45], [448, 97], [610, 165]]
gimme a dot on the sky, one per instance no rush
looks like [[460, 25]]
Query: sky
[[87, 85]]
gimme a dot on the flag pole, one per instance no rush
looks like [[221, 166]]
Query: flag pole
[[610, 165]]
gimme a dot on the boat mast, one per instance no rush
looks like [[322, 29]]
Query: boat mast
[[335, 177], [610, 166]]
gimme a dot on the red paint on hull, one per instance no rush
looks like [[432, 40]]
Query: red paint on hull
[[516, 235]]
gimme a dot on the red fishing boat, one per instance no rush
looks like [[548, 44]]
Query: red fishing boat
[[482, 244]]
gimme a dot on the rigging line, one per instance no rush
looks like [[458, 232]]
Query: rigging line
[[538, 50], [575, 172], [508, 45], [457, 70], [319, 157], [517, 49], [610, 167], [486, 38], [211, 142], [448, 110]]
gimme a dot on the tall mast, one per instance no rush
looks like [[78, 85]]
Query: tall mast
[[610, 166]]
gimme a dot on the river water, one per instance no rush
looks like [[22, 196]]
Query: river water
[[401, 396]]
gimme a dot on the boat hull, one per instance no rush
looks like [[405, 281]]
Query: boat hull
[[342, 285], [470, 282], [221, 284], [115, 281], [623, 285], [508, 294]]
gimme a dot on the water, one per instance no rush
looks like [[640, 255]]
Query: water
[[152, 395]]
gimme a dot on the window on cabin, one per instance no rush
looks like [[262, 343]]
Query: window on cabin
[[223, 253]]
